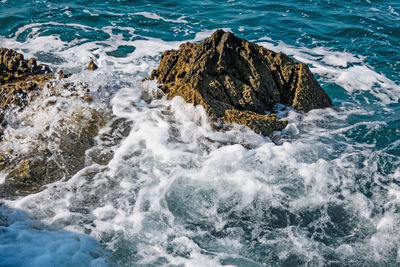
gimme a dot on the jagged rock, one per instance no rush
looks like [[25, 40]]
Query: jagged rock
[[14, 66], [71, 135], [19, 91], [19, 78], [92, 66], [237, 81]]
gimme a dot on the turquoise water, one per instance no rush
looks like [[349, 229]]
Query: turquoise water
[[178, 193]]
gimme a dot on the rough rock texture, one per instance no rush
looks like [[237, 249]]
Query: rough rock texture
[[18, 92], [260, 123], [237, 81], [62, 75], [70, 136], [19, 78], [30, 171], [14, 66]]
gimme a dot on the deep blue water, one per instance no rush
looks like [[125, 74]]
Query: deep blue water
[[329, 194]]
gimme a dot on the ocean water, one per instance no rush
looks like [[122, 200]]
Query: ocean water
[[325, 192]]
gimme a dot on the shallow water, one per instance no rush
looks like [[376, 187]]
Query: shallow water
[[177, 192]]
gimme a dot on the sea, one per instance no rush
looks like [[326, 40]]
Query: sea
[[325, 191]]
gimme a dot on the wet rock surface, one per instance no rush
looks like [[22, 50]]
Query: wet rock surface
[[57, 156], [35, 150], [237, 81], [19, 80]]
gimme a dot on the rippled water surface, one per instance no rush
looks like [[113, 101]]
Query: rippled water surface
[[326, 192]]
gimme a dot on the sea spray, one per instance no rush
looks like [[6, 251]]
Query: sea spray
[[175, 191]]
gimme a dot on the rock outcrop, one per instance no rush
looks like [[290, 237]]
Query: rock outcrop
[[13, 66], [69, 136], [238, 81], [19, 77]]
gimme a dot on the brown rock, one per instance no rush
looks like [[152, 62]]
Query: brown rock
[[13, 66], [237, 81], [29, 171], [18, 91], [92, 66], [264, 124], [62, 75], [19, 78]]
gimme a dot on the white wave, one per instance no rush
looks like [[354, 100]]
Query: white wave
[[150, 15], [3, 176], [77, 53], [342, 68], [173, 168], [392, 11], [174, 174], [90, 13]]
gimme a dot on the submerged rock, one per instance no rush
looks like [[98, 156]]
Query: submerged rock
[[29, 171], [237, 81]]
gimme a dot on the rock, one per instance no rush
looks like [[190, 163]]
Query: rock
[[17, 92], [56, 151], [28, 172], [19, 77], [19, 80], [264, 124], [92, 66], [62, 75], [237, 81], [13, 66]]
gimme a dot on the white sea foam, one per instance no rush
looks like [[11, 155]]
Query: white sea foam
[[346, 70], [76, 54], [393, 12], [150, 15], [90, 13], [156, 165], [24, 243], [2, 177], [174, 185]]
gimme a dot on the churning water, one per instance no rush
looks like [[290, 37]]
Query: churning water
[[326, 191]]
